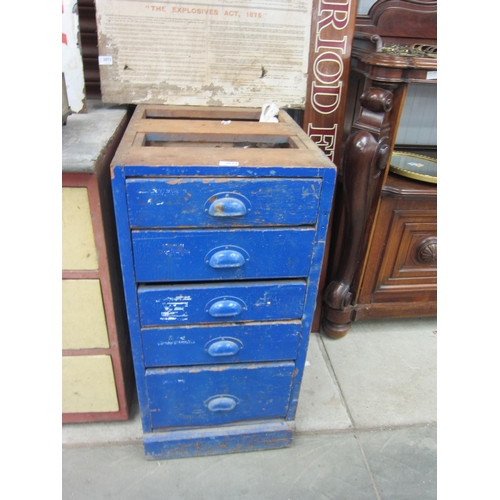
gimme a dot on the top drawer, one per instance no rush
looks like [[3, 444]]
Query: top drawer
[[222, 202]]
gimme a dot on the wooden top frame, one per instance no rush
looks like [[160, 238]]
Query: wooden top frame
[[194, 136]]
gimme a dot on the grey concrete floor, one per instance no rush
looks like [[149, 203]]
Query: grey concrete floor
[[366, 429]]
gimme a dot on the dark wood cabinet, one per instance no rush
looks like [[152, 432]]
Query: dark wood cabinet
[[383, 257], [401, 263]]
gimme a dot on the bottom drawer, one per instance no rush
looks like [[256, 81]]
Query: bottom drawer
[[218, 394]]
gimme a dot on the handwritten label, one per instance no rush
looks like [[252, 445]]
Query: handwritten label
[[177, 341], [229, 164], [105, 60]]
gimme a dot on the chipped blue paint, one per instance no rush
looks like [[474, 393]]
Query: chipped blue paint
[[180, 255], [188, 202], [221, 267]]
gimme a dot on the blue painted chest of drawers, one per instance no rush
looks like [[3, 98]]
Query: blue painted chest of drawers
[[222, 223]]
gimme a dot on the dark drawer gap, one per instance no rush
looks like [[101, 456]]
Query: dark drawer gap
[[222, 141]]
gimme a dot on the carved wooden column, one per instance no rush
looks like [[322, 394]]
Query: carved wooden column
[[332, 31], [366, 156]]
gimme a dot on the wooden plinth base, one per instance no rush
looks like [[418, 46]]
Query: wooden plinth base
[[218, 440]]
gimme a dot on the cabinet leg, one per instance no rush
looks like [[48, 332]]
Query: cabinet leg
[[337, 328], [366, 155]]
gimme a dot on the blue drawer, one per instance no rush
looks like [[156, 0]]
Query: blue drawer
[[228, 254], [218, 394], [214, 202], [220, 303], [209, 344]]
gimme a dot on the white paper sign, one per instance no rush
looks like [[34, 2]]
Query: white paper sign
[[217, 53]]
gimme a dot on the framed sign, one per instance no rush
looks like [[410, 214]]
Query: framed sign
[[204, 52]]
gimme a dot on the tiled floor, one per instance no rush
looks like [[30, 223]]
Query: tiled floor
[[366, 429]]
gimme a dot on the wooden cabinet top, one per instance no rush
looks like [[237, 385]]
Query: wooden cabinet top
[[160, 136], [397, 41], [86, 136]]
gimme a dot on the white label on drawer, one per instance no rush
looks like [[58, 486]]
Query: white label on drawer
[[179, 341], [105, 60], [432, 75], [229, 164], [175, 308]]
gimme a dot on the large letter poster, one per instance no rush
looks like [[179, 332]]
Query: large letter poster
[[333, 31]]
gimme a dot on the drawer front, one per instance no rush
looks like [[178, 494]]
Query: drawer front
[[209, 344], [200, 255], [221, 303], [215, 395], [222, 202]]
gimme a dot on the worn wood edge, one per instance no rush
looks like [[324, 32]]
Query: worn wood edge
[[394, 310], [200, 112], [172, 156], [214, 127], [390, 61], [402, 186], [132, 152], [218, 440], [197, 112], [87, 417], [337, 324]]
